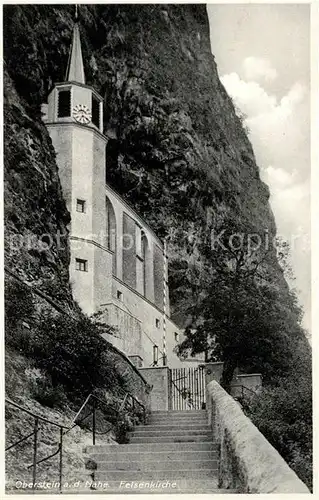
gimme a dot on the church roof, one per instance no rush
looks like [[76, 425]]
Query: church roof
[[75, 69]]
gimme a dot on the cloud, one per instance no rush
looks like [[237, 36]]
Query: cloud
[[250, 97], [254, 100], [280, 134], [279, 129], [278, 177], [256, 68]]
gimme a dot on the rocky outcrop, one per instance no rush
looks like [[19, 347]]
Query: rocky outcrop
[[36, 218], [177, 150]]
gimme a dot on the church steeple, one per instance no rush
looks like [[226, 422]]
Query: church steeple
[[72, 101], [75, 69]]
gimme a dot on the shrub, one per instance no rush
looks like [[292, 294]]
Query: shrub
[[50, 396], [42, 389], [284, 415], [17, 337], [123, 425], [72, 352]]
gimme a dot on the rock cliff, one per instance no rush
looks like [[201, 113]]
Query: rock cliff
[[36, 218], [177, 150]]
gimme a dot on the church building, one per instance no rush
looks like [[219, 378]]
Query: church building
[[118, 265]]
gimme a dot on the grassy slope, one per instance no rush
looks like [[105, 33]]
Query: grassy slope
[[19, 376]]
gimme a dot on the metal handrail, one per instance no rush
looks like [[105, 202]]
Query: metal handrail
[[34, 415], [188, 401], [34, 433], [95, 399], [64, 430], [123, 402], [243, 388]]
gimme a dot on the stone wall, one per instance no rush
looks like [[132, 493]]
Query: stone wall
[[160, 380], [151, 319], [251, 381], [213, 371], [248, 462], [128, 333], [136, 383]]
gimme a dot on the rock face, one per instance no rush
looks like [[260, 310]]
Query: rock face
[[36, 218], [177, 150]]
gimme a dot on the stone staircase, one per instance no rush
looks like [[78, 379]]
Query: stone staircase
[[173, 453]]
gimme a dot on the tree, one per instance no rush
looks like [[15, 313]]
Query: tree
[[244, 314]]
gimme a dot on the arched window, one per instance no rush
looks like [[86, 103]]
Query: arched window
[[111, 231]]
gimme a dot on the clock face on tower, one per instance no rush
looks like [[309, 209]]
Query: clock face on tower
[[81, 113]]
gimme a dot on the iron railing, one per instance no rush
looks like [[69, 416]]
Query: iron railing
[[242, 390], [128, 399], [94, 401], [35, 433], [183, 395], [188, 388]]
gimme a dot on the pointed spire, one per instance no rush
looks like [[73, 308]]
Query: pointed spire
[[75, 71]]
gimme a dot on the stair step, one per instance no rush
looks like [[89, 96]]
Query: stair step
[[174, 433], [172, 427], [180, 412], [190, 486], [180, 425], [153, 475], [191, 438], [166, 491], [163, 465], [157, 456], [176, 421], [147, 447]]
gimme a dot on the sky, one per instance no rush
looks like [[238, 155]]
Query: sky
[[262, 53]]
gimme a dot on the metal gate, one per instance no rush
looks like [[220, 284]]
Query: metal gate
[[188, 388]]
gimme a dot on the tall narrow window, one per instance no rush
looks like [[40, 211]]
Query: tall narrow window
[[64, 103], [140, 263], [143, 253], [95, 111], [158, 263], [111, 231], [129, 252]]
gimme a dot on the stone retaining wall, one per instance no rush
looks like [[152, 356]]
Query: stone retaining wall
[[248, 462], [136, 384], [159, 378]]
